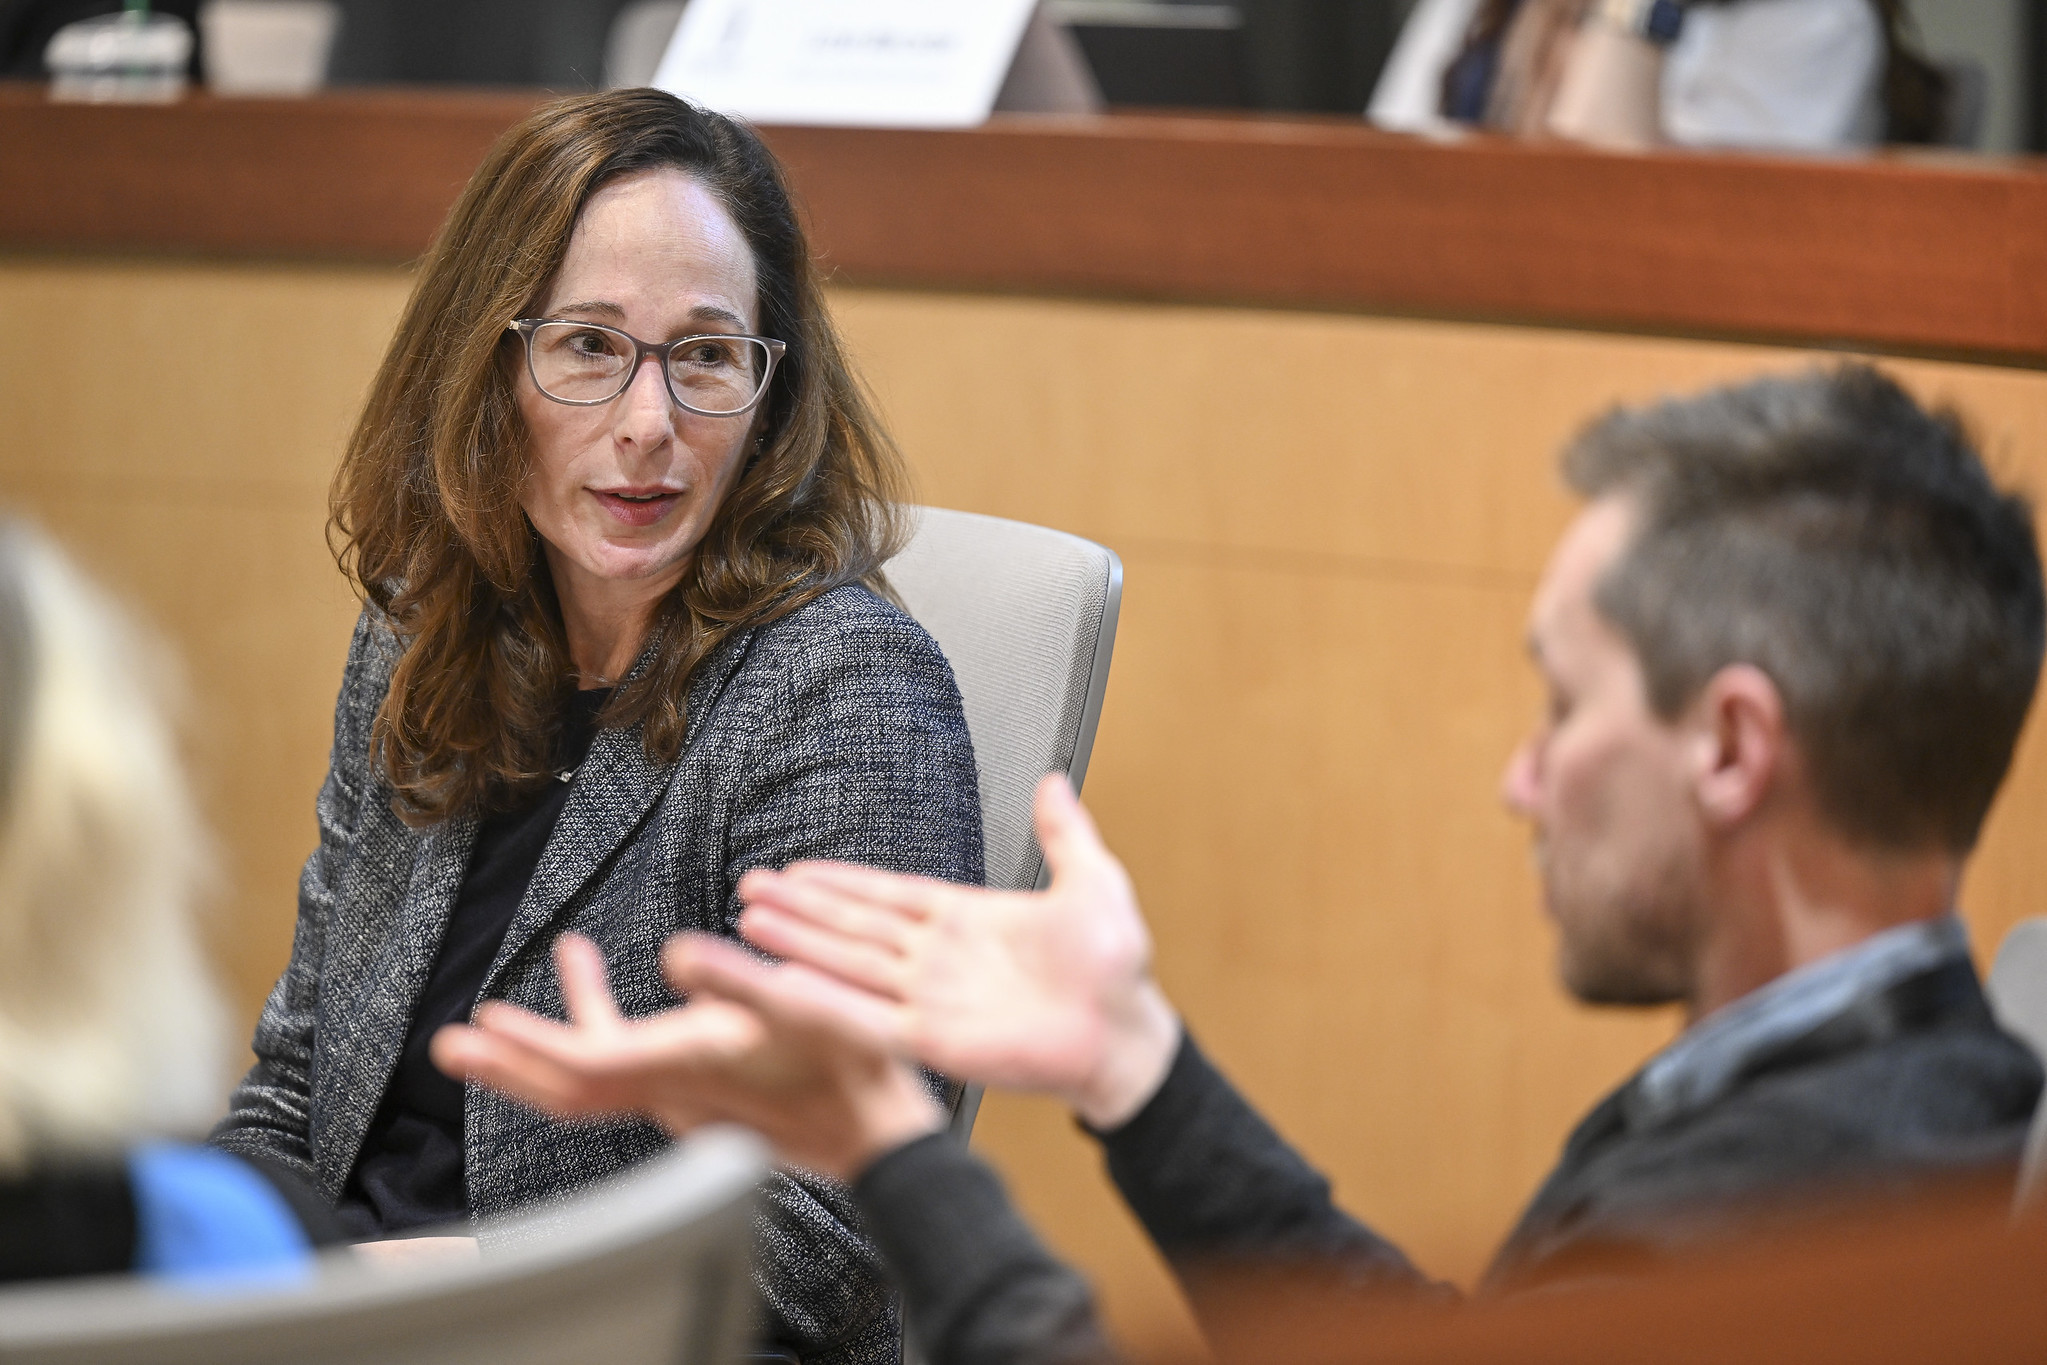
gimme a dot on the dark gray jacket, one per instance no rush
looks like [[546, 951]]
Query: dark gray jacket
[[1908, 1084], [835, 732]]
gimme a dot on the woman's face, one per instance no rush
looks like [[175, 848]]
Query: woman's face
[[622, 493]]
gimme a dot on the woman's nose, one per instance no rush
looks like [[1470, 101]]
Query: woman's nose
[[644, 413]]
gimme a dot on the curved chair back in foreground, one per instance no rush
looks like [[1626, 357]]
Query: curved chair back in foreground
[[1027, 617], [649, 1268], [2018, 992]]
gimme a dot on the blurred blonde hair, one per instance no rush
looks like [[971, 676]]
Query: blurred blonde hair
[[110, 1026]]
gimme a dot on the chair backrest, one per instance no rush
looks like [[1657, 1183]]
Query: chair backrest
[[2018, 992], [649, 1267], [1027, 618]]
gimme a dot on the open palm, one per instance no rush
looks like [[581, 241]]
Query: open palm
[[1047, 991], [747, 1049]]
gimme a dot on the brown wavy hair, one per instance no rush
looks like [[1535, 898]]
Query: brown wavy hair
[[425, 513]]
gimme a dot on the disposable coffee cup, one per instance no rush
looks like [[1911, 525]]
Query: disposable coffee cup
[[267, 47], [130, 58]]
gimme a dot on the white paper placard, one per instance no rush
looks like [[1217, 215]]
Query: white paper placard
[[866, 63]]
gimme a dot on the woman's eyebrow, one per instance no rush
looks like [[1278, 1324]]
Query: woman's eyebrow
[[711, 312], [598, 306], [702, 313]]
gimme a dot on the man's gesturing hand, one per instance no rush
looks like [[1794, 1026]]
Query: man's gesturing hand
[[1047, 991], [749, 1048]]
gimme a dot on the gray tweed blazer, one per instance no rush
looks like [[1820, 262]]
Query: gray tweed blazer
[[835, 732]]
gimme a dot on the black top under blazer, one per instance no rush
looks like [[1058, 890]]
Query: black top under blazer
[[835, 732]]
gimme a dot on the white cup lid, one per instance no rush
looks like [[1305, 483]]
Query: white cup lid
[[119, 42]]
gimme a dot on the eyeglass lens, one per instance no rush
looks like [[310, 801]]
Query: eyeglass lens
[[578, 363]]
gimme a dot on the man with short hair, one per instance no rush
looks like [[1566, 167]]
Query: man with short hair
[[1788, 646]]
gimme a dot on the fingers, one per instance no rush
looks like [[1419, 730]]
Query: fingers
[[1065, 829], [883, 896], [801, 940], [455, 1050], [713, 971], [703, 1035], [1066, 832], [495, 1018], [701, 962], [703, 965], [665, 1066], [505, 1064], [669, 1041], [861, 925], [789, 996], [848, 913], [586, 989], [856, 1016]]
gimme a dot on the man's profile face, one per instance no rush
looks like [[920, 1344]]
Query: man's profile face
[[1605, 783]]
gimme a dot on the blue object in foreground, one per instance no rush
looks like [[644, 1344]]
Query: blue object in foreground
[[206, 1218]]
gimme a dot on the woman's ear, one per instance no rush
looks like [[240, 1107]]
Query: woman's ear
[[1740, 743]]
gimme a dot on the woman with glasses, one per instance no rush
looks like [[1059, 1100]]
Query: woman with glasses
[[617, 509]]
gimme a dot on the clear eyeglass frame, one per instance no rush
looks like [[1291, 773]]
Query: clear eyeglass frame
[[773, 349]]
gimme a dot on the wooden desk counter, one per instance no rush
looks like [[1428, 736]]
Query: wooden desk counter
[[1923, 254], [1307, 379]]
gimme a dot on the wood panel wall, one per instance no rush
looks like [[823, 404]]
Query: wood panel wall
[[1330, 524]]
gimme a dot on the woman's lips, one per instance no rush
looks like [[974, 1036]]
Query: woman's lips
[[635, 509]]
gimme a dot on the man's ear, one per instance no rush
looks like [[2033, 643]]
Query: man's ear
[[1740, 745]]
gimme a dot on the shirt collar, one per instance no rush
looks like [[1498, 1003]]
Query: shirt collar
[[1707, 1058]]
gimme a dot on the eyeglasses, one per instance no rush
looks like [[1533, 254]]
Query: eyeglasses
[[584, 364]]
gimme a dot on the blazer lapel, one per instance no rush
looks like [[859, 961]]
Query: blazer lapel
[[613, 792], [367, 1028]]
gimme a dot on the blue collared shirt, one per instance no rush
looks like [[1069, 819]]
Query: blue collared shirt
[[1708, 1057]]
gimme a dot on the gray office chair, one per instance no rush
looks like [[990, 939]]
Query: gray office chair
[[1027, 617], [649, 1268], [2018, 992]]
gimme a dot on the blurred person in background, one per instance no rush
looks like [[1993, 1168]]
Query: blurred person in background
[[617, 507], [112, 1039], [1792, 75], [1788, 644]]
